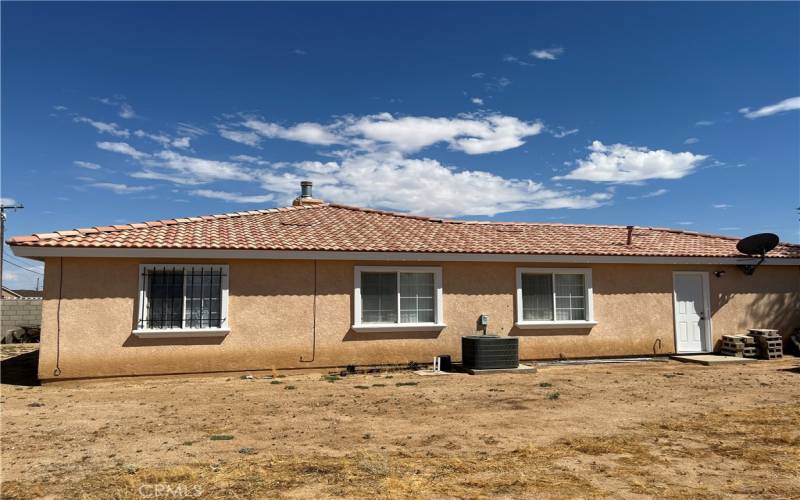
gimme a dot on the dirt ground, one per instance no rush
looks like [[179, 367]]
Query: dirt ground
[[661, 429]]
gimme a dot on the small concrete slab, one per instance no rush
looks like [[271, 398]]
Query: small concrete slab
[[519, 369], [712, 359], [428, 373]]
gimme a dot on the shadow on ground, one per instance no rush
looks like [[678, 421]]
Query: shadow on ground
[[20, 370]]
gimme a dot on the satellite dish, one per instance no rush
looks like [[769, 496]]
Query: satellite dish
[[756, 245]]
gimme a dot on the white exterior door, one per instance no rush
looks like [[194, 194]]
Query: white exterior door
[[691, 312]]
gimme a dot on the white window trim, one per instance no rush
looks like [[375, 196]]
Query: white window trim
[[358, 326], [183, 331], [587, 280]]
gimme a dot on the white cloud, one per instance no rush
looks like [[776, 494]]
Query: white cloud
[[103, 127], [561, 132], [308, 132], [478, 75], [685, 223], [249, 159], [122, 148], [730, 228], [159, 138], [190, 130], [789, 104], [232, 197], [126, 111], [651, 194], [186, 170], [182, 142], [120, 188], [691, 140], [247, 138], [373, 167], [619, 163], [703, 123], [317, 167], [477, 100], [425, 186], [60, 108], [299, 52], [87, 165], [548, 54], [516, 60], [722, 205], [165, 140], [471, 134], [498, 84], [6, 202]]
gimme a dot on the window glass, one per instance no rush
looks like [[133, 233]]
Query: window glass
[[164, 289], [570, 299], [553, 297], [378, 297], [537, 297], [203, 298], [416, 298]]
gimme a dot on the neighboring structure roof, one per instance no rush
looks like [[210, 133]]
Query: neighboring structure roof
[[8, 293], [22, 294], [331, 227]]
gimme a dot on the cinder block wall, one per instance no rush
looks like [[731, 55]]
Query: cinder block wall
[[19, 312]]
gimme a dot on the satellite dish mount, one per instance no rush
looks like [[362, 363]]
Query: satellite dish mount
[[756, 245]]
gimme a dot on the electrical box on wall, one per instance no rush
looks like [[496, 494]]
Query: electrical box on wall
[[484, 320]]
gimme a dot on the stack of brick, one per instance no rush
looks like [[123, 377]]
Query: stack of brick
[[768, 342], [742, 346]]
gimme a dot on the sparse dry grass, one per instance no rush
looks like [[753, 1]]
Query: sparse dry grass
[[563, 469], [610, 434], [517, 473]]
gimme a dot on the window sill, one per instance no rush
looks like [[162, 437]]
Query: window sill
[[531, 325], [398, 327], [176, 333]]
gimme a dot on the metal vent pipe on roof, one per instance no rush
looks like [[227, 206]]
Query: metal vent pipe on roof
[[305, 189], [630, 235]]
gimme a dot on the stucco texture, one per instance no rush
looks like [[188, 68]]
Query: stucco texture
[[88, 331]]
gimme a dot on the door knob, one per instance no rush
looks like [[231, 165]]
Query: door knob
[[702, 316]]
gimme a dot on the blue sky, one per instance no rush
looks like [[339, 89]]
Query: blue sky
[[678, 115]]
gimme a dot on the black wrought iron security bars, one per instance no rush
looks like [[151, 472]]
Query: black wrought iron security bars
[[181, 297]]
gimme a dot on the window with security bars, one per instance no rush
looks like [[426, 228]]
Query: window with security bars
[[554, 296], [398, 296], [183, 297]]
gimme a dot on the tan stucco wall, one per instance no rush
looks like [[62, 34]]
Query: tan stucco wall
[[270, 316]]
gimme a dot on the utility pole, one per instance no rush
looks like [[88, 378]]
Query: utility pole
[[3, 209]]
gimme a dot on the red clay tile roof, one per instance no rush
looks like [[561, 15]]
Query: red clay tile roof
[[330, 227]]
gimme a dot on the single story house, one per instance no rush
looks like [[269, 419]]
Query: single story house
[[321, 285]]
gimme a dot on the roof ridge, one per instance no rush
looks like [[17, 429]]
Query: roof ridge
[[66, 233], [712, 235], [467, 221], [525, 223]]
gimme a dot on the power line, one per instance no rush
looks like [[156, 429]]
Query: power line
[[14, 258], [3, 208], [21, 267]]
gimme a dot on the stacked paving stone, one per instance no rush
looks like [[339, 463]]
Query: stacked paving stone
[[741, 346], [769, 343]]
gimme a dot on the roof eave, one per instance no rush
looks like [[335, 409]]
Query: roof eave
[[42, 252]]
